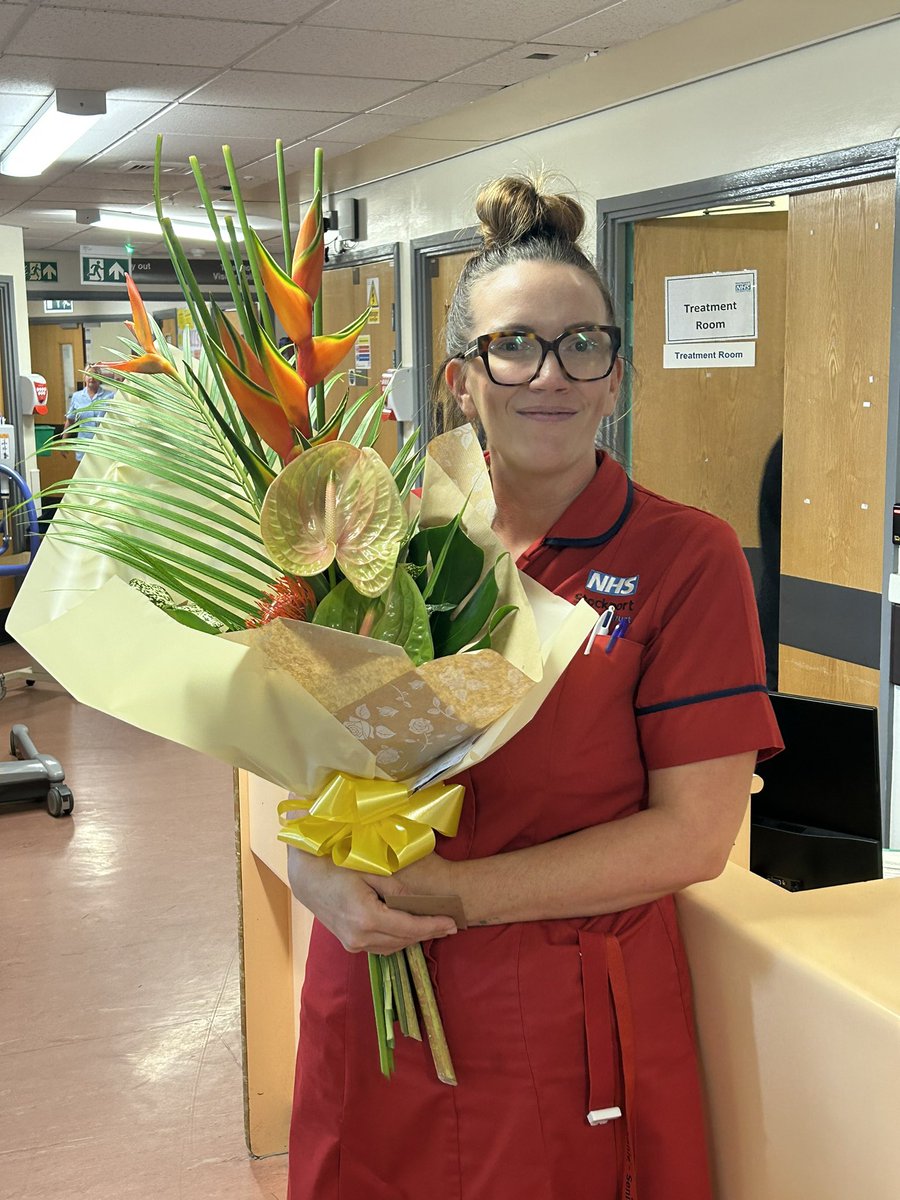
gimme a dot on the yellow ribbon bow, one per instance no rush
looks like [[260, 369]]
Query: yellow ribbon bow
[[373, 825]]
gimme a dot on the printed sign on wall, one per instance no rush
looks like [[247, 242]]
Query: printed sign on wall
[[715, 307], [363, 353], [373, 299]]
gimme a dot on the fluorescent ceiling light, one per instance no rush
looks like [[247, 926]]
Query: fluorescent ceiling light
[[136, 223], [63, 118]]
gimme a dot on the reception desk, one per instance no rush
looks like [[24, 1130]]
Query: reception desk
[[798, 1008]]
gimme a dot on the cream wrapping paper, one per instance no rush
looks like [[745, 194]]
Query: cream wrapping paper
[[226, 696]]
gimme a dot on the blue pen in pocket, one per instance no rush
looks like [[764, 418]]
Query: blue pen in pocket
[[619, 632]]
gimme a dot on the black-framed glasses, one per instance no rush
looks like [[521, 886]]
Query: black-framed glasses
[[512, 357]]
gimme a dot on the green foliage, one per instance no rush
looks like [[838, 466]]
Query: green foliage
[[398, 615]]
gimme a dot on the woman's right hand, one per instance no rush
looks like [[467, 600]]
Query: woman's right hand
[[352, 910]]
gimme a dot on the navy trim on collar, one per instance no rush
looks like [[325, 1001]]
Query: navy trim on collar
[[601, 538]]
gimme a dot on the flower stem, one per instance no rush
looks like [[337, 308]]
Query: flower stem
[[385, 1054], [437, 1041], [319, 391], [403, 997], [283, 203]]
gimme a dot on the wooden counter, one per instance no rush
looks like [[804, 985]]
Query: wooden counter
[[797, 999]]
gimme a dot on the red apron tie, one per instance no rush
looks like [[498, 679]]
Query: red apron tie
[[606, 996]]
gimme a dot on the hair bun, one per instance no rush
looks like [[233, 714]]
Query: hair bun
[[514, 209]]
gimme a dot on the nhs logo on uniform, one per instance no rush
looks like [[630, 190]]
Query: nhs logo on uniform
[[612, 585]]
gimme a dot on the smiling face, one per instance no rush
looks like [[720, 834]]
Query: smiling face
[[547, 425]]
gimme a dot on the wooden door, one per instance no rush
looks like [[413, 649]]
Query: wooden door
[[47, 350], [840, 262], [346, 291], [445, 270], [702, 436]]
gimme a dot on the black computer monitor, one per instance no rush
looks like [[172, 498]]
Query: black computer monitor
[[817, 821]]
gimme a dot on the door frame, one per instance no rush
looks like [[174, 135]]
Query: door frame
[[858, 164], [382, 253], [8, 336], [422, 250]]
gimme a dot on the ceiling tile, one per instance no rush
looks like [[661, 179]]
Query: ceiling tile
[[87, 179], [60, 194], [435, 99], [74, 33], [628, 21], [10, 15], [498, 19], [515, 66], [312, 93], [283, 12], [367, 127], [179, 147], [121, 80], [384, 55], [289, 124], [17, 193]]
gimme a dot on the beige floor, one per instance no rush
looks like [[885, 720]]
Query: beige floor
[[120, 1039]]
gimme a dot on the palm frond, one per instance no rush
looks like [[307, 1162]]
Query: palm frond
[[179, 498]]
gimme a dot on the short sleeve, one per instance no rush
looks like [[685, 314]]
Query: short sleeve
[[702, 692]]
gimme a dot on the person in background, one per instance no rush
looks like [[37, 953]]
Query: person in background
[[87, 407]]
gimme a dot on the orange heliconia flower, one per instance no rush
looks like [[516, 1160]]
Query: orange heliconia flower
[[151, 362]]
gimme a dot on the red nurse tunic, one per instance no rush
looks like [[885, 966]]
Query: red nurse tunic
[[548, 1021]]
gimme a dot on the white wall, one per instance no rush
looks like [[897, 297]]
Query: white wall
[[12, 262], [831, 96]]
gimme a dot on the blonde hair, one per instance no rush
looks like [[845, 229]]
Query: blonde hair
[[519, 223]]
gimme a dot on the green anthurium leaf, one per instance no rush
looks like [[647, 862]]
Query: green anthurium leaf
[[336, 503], [500, 615], [404, 620], [450, 635], [398, 615], [456, 563], [343, 608]]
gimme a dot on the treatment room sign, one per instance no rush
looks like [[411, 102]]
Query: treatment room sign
[[711, 308]]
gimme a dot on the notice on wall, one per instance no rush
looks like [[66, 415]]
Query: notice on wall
[[720, 306], [709, 354], [363, 353], [373, 299]]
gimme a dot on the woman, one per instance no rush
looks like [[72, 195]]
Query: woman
[[566, 1001]]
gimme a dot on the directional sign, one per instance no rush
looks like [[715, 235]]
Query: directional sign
[[207, 271], [99, 267], [41, 271], [64, 306]]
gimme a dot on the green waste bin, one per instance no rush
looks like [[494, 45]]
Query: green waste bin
[[42, 435]]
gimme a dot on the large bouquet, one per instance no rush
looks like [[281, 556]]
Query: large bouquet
[[292, 611]]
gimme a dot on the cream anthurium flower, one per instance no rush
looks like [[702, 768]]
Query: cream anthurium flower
[[335, 502]]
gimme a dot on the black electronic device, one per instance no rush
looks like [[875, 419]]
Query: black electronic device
[[817, 821]]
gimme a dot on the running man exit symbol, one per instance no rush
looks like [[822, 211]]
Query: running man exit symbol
[[41, 271]]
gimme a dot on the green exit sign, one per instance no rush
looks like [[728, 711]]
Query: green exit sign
[[101, 268], [41, 271]]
